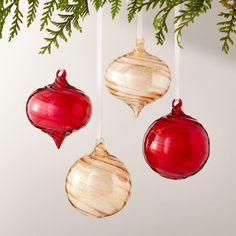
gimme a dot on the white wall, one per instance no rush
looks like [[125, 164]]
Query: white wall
[[32, 170]]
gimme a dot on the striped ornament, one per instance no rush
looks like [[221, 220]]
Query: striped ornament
[[138, 78], [98, 184]]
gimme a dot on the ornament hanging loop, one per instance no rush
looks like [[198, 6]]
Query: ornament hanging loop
[[61, 81], [177, 107], [177, 103], [61, 74]]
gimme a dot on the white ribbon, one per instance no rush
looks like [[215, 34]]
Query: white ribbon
[[140, 26], [99, 74], [177, 59]]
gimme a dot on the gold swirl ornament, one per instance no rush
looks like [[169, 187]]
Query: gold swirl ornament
[[138, 78], [98, 184]]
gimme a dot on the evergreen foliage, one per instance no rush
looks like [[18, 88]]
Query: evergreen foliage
[[60, 17], [228, 25], [33, 5]]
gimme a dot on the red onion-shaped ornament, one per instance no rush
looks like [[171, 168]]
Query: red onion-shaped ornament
[[176, 146], [59, 108]]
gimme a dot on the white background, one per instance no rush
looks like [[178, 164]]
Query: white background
[[32, 170]]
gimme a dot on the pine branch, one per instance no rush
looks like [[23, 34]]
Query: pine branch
[[4, 12], [160, 19], [98, 3], [73, 13], [227, 27], [193, 9], [115, 7], [133, 7], [83, 11], [33, 6], [2, 18], [49, 8], [59, 33], [153, 3], [63, 4], [17, 20]]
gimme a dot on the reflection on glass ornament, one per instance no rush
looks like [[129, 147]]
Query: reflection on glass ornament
[[59, 108], [98, 184], [138, 78], [176, 146]]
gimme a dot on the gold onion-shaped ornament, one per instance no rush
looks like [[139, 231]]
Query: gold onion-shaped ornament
[[98, 184], [138, 78]]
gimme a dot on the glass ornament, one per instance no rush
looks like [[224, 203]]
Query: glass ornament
[[98, 184], [176, 146], [59, 108], [138, 78]]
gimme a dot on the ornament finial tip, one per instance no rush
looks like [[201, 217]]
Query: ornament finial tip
[[136, 112], [136, 108], [58, 139]]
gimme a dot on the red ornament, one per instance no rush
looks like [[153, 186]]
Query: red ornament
[[59, 108], [176, 146]]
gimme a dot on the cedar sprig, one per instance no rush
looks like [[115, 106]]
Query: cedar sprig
[[115, 7], [192, 9], [63, 4], [73, 13], [49, 7], [32, 9], [228, 25], [4, 12], [134, 7], [17, 20], [98, 3], [160, 19], [60, 17]]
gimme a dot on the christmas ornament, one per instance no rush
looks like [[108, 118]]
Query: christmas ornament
[[98, 184], [176, 146], [59, 108], [138, 78]]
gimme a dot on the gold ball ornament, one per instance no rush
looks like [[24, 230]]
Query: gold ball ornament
[[98, 184], [138, 78]]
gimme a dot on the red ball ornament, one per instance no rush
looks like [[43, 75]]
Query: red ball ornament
[[59, 108], [176, 146]]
